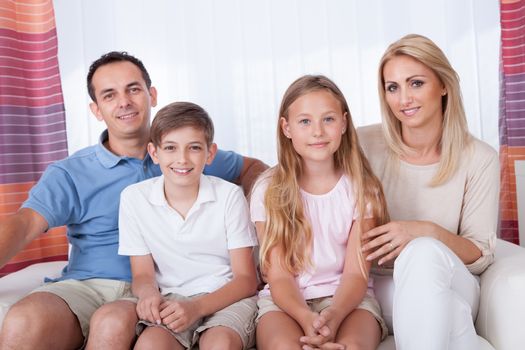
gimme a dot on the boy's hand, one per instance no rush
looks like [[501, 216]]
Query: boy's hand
[[148, 307], [179, 315]]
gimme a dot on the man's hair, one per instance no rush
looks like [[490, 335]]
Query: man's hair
[[112, 57], [178, 115]]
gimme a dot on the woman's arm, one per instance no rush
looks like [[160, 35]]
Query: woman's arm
[[387, 241], [474, 240]]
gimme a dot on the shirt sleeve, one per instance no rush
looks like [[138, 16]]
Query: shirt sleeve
[[257, 210], [226, 165], [55, 197], [480, 206], [131, 240], [240, 232]]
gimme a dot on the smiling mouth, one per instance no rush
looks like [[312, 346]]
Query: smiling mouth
[[181, 171], [410, 111], [127, 116]]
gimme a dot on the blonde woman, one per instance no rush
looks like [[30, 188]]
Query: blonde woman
[[441, 186], [309, 211]]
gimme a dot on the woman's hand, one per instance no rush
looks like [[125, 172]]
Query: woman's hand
[[387, 241]]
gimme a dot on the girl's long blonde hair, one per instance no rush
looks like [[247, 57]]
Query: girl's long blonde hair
[[286, 226], [455, 136]]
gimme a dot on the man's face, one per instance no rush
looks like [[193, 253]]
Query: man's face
[[123, 100]]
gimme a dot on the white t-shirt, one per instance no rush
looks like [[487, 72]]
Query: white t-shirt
[[191, 255]]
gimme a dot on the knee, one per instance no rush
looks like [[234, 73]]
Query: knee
[[21, 324], [222, 340], [423, 252], [113, 319]]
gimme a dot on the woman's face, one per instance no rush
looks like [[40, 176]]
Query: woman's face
[[413, 92]]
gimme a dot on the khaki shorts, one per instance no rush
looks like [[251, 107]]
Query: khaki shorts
[[86, 296], [239, 316], [369, 304]]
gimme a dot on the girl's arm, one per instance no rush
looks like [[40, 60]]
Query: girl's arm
[[284, 290], [179, 315], [145, 288], [349, 294], [353, 284]]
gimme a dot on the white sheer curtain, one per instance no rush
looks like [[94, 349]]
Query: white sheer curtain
[[236, 57]]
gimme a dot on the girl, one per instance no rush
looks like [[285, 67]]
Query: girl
[[309, 212], [441, 185]]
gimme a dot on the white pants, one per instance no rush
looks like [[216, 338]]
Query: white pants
[[435, 299]]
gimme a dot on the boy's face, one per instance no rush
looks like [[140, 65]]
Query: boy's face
[[123, 100], [182, 155]]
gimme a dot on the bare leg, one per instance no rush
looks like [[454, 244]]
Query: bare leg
[[112, 326], [157, 338], [278, 331], [41, 321], [218, 338], [360, 330]]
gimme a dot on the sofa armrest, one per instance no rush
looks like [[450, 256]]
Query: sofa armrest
[[502, 301], [18, 284]]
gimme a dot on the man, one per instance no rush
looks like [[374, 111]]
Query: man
[[82, 192]]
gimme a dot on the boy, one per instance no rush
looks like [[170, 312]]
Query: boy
[[188, 235]]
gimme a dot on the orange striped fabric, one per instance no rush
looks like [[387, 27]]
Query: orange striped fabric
[[32, 119], [512, 111]]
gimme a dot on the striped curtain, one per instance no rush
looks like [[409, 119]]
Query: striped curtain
[[512, 110], [32, 121]]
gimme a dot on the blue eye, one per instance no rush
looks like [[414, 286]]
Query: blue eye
[[328, 119], [417, 83], [391, 87], [304, 121]]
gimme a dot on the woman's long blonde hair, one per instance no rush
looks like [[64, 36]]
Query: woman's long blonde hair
[[455, 136], [286, 225]]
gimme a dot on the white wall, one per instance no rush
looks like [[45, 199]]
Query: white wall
[[236, 57]]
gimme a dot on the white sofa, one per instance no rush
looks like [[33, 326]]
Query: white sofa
[[499, 322]]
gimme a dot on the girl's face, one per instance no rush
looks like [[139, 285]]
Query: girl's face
[[315, 125], [413, 92]]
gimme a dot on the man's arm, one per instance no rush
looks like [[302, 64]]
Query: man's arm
[[17, 230], [251, 169]]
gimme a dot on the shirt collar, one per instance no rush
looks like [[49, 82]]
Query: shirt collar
[[106, 158], [206, 192]]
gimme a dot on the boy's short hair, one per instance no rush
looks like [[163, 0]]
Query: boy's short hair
[[178, 115], [112, 57]]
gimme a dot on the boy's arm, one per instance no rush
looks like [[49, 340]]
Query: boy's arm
[[17, 230], [179, 315], [145, 288]]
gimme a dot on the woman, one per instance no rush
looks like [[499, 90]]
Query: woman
[[441, 185]]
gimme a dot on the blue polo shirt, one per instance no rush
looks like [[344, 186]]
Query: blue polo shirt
[[83, 192]]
